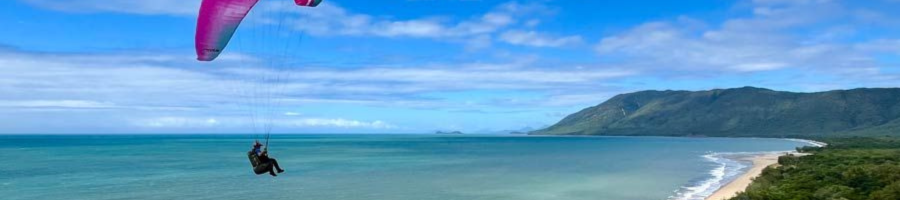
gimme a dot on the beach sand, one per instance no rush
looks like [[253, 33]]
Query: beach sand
[[760, 162]]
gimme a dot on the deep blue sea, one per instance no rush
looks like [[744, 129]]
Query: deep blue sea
[[370, 167]]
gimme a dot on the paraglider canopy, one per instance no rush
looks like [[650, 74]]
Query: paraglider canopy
[[218, 21], [216, 25]]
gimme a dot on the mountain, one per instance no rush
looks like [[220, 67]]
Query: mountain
[[739, 112]]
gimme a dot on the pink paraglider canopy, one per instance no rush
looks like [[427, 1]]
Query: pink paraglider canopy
[[218, 21]]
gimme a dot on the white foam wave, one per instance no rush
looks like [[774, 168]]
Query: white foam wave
[[811, 142], [725, 170]]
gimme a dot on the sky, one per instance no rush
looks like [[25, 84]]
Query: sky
[[416, 66]]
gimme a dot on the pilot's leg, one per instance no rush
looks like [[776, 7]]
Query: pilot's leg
[[275, 163]]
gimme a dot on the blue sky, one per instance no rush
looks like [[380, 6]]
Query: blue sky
[[416, 66]]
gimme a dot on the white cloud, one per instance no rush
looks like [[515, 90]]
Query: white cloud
[[177, 122], [449, 75], [585, 97], [411, 28], [890, 46], [143, 7], [329, 19], [175, 93], [56, 104], [338, 123], [779, 35], [752, 67], [535, 39], [292, 114], [232, 122], [576, 99], [165, 82], [475, 32]]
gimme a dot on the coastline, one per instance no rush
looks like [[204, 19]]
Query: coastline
[[811, 142], [760, 162]]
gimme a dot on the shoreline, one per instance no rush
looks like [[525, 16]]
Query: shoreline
[[760, 162], [811, 142]]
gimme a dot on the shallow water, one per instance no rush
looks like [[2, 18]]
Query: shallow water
[[351, 167]]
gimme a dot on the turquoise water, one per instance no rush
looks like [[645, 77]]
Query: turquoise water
[[366, 167]]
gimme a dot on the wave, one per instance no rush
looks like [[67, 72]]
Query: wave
[[811, 142], [726, 169]]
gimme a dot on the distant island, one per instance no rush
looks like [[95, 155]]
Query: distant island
[[739, 112], [448, 133]]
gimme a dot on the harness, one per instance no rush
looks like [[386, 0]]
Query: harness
[[258, 166]]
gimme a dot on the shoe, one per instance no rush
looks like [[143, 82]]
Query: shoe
[[280, 171]]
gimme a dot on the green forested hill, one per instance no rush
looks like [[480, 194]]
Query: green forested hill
[[739, 112]]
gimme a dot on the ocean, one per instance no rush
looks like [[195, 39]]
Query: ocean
[[372, 167]]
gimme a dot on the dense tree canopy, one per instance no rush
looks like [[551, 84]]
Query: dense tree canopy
[[849, 168]]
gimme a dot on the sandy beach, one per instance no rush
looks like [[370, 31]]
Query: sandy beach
[[760, 162]]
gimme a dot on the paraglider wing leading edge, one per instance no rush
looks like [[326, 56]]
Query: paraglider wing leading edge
[[219, 19]]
